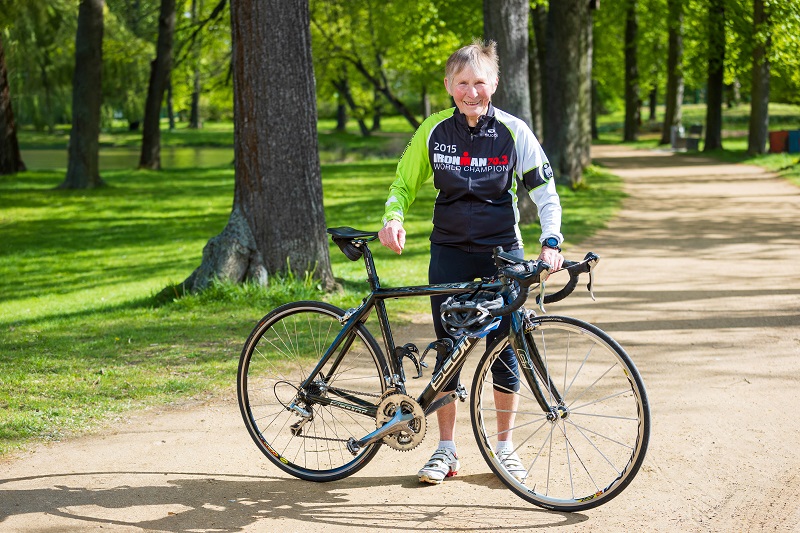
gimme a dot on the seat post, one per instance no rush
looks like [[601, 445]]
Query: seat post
[[372, 274]]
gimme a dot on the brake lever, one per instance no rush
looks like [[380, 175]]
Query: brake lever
[[541, 296], [546, 273], [591, 259]]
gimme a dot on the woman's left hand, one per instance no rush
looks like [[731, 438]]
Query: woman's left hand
[[552, 257]]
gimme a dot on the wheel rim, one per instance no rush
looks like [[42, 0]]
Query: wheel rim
[[281, 354], [587, 449]]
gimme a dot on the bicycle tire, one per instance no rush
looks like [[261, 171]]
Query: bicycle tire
[[587, 457], [279, 354]]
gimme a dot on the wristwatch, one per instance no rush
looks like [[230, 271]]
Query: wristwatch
[[551, 242]]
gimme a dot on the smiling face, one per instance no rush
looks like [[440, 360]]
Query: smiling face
[[472, 91]]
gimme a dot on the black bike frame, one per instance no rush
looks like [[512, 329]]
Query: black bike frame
[[520, 341]]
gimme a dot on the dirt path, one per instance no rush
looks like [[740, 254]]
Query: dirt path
[[698, 280]]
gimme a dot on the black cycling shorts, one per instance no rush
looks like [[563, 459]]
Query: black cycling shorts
[[452, 265]]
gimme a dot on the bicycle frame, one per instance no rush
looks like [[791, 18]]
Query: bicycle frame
[[520, 341]]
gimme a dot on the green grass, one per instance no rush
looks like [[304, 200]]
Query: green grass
[[82, 339]]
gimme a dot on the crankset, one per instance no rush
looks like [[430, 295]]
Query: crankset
[[400, 421], [409, 433]]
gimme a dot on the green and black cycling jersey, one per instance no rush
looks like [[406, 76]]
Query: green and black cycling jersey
[[474, 170]]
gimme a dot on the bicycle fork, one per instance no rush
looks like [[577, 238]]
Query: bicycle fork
[[533, 368]]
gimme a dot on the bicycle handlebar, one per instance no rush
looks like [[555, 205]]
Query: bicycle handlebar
[[527, 273]]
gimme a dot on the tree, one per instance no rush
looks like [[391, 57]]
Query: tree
[[716, 74], [566, 104], [536, 65], [10, 158], [632, 101], [194, 112], [82, 167], [506, 23], [277, 220], [160, 70], [674, 97], [759, 92]]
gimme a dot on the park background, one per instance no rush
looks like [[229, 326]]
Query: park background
[[93, 318]]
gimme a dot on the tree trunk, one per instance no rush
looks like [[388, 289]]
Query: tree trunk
[[10, 158], [377, 112], [652, 103], [632, 104], [425, 102], [595, 96], [585, 103], [343, 86], [194, 109], [539, 24], [759, 91], [535, 76], [170, 108], [341, 114], [716, 65], [277, 220], [674, 98], [506, 22], [160, 69], [82, 167], [565, 93]]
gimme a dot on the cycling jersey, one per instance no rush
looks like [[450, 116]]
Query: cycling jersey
[[474, 171]]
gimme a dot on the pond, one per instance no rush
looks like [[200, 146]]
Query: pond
[[128, 158]]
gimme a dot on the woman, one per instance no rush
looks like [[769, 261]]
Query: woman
[[474, 152]]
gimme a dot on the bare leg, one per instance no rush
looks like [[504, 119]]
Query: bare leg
[[506, 411], [446, 416]]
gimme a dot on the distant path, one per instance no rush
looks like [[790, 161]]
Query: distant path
[[699, 280]]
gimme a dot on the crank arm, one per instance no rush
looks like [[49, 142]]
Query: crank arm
[[388, 428], [459, 394]]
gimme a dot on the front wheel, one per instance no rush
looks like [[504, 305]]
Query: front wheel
[[304, 430], [590, 442]]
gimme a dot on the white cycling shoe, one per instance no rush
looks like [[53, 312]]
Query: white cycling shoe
[[513, 464], [442, 464]]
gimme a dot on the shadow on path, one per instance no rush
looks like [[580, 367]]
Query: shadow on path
[[180, 501]]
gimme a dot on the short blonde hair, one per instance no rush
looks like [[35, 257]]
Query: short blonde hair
[[481, 56]]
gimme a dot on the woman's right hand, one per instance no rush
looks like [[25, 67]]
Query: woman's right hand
[[393, 236]]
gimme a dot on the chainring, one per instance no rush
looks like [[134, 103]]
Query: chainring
[[410, 434]]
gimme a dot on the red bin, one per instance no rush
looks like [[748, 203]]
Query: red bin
[[778, 141]]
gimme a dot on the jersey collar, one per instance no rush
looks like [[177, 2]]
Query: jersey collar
[[483, 120]]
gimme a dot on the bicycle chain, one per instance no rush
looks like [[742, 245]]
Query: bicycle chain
[[369, 394]]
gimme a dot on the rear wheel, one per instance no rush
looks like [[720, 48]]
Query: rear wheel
[[587, 448], [304, 431]]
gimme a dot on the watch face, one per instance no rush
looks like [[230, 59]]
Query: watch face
[[552, 242]]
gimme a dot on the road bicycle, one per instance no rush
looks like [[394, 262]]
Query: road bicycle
[[320, 396]]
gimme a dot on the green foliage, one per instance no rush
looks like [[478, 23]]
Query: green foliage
[[412, 39], [126, 71], [40, 56]]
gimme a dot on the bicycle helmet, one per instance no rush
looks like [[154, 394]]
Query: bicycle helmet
[[469, 314]]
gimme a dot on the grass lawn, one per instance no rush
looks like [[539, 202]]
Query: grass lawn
[[82, 338]]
